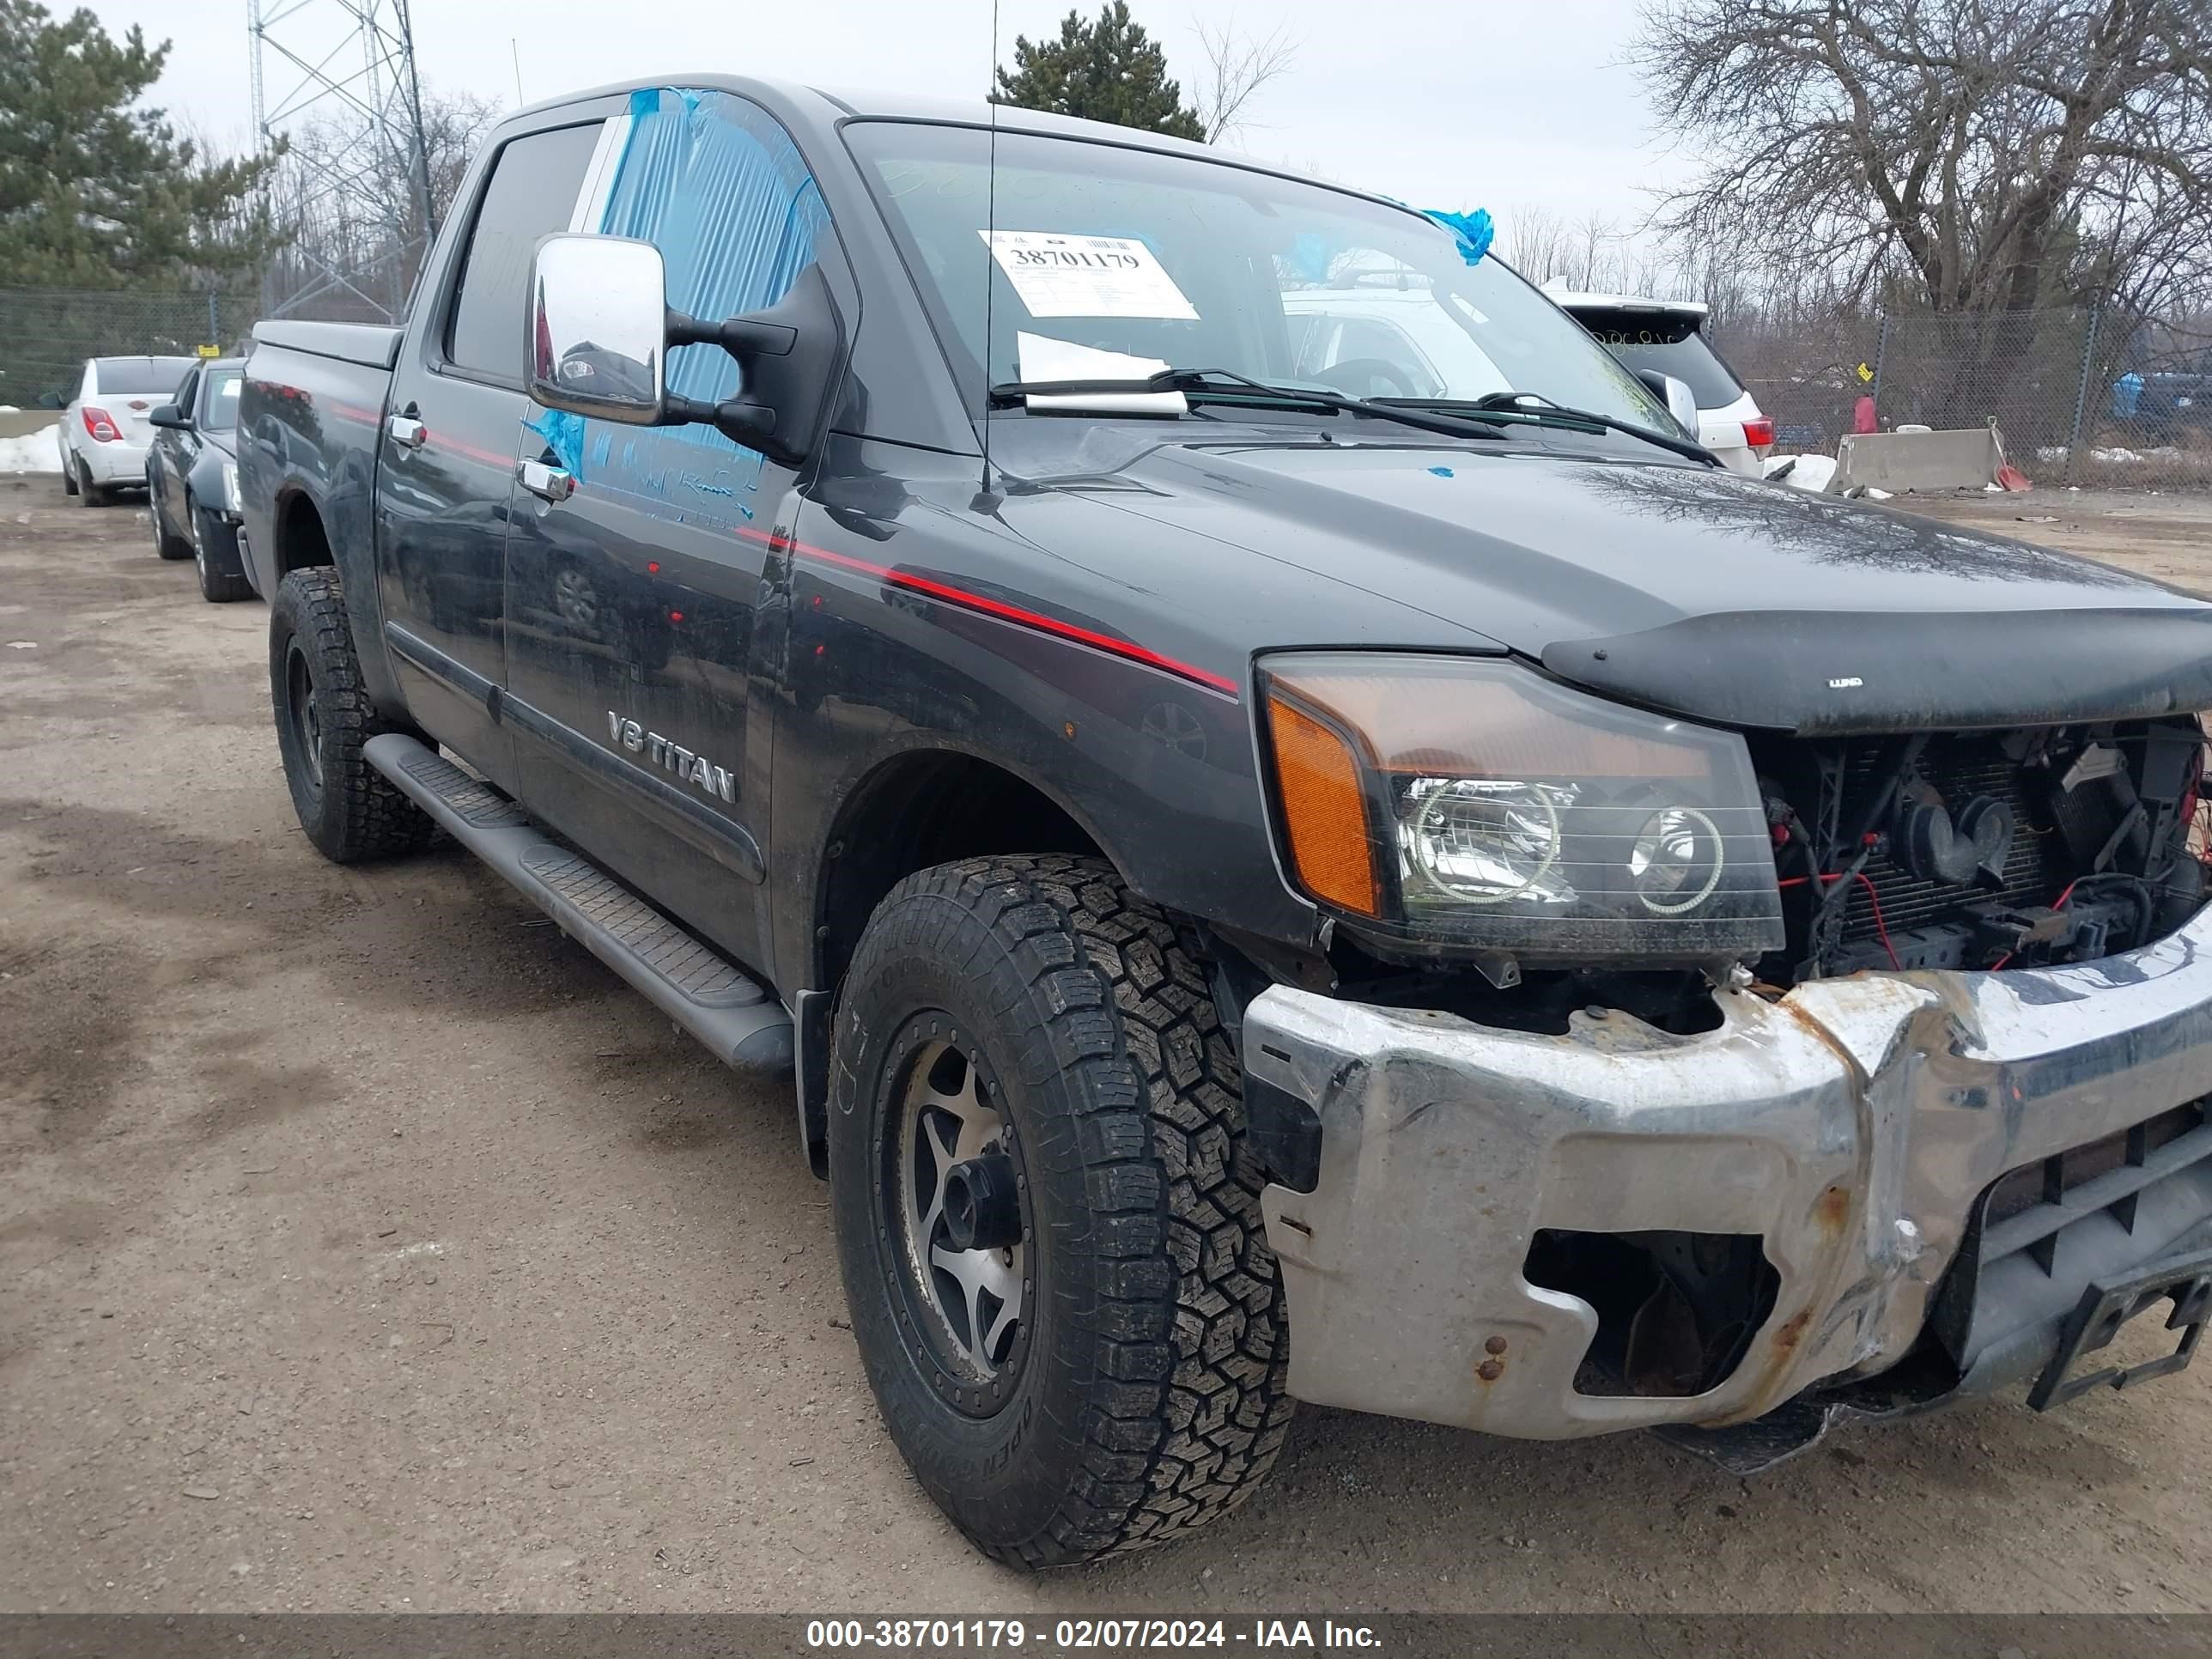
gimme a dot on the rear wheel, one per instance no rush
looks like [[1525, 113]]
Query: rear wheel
[[165, 544], [218, 584], [350, 810], [88, 493], [1049, 1223], [69, 474]]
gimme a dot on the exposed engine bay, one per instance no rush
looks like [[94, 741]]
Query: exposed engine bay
[[1980, 850], [1974, 850]]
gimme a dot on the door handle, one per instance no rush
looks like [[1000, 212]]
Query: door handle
[[551, 483], [406, 431]]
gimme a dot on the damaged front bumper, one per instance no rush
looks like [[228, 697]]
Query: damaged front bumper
[[1934, 1165]]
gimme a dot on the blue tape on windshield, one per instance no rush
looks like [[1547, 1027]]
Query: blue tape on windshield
[[719, 188], [1474, 230], [1311, 255]]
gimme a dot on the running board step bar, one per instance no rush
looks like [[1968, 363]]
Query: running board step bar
[[716, 1003]]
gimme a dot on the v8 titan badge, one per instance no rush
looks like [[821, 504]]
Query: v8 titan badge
[[1058, 275]]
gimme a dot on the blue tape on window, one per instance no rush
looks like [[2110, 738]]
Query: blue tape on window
[[564, 435], [1311, 254], [1474, 230], [719, 188]]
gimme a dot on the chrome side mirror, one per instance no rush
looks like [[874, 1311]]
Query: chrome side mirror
[[1674, 392], [599, 328]]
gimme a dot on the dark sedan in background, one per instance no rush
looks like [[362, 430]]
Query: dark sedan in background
[[191, 478]]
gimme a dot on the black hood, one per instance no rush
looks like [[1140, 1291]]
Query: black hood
[[1702, 592]]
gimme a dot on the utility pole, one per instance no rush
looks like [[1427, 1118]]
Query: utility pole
[[362, 224]]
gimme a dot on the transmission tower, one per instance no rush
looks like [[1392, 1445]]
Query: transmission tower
[[336, 79]]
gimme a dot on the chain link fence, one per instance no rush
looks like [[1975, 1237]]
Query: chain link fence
[[46, 334], [2081, 397]]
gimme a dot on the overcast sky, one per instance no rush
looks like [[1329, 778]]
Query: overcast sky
[[1441, 103]]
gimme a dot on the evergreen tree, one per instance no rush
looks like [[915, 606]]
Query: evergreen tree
[[95, 194], [1107, 71]]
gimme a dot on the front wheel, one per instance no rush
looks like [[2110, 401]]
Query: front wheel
[[350, 810], [1047, 1216]]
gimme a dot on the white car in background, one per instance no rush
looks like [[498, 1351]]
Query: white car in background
[[1668, 334], [104, 436]]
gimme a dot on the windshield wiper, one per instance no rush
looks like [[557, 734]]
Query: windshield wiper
[[1539, 411], [1221, 385]]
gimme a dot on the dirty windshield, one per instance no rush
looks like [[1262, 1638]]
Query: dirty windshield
[[1109, 263]]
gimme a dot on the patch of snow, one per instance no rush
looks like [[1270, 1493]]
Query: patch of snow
[[34, 452], [1874, 494], [1808, 472], [2114, 457]]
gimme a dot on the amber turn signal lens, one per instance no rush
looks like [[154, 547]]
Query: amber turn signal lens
[[1324, 811]]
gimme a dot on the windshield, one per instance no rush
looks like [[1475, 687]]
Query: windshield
[[219, 413], [141, 375], [1668, 342], [1108, 263]]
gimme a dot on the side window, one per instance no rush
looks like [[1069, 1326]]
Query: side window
[[719, 188], [185, 392], [716, 184], [532, 192]]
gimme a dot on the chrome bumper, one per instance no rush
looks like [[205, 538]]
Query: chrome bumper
[[1851, 1127]]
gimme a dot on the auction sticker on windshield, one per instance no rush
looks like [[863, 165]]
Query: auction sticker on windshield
[[1061, 276]]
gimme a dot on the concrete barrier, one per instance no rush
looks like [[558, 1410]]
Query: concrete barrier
[[20, 421], [1895, 461]]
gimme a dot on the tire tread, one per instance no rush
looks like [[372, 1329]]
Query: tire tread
[[365, 815], [1189, 1406]]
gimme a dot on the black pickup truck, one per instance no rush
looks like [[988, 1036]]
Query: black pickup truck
[[1300, 840]]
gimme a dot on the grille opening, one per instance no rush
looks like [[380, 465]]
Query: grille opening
[[1676, 1311]]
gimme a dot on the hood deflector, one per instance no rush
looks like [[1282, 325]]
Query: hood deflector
[[1838, 673]]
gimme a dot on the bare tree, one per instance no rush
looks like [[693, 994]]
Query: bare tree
[[1968, 154], [1236, 67], [353, 204]]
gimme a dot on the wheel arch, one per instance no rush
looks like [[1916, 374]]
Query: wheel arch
[[908, 812], [927, 806], [301, 538]]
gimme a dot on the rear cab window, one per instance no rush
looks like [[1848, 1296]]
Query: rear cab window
[[533, 193], [1670, 342]]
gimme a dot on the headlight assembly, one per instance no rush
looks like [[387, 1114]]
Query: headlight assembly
[[1460, 800], [230, 497]]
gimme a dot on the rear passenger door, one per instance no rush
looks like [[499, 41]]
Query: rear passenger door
[[445, 477]]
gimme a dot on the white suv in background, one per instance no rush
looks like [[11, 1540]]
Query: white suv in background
[[103, 436], [1668, 334]]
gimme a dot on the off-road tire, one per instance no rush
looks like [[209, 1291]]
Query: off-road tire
[[350, 811], [1152, 1396], [217, 587]]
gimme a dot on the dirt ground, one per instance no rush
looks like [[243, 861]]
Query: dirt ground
[[364, 1244]]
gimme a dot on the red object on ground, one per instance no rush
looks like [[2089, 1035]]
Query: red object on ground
[[1863, 416], [2011, 477]]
